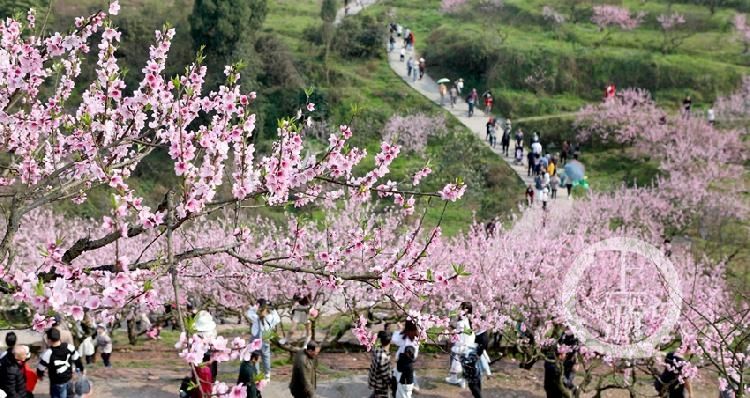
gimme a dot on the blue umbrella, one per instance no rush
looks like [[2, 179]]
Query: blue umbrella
[[575, 170]]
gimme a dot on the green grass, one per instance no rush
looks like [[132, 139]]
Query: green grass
[[577, 62]]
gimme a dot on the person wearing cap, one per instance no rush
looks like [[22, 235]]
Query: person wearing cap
[[263, 320], [304, 379]]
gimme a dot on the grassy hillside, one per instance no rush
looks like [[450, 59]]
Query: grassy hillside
[[536, 67]]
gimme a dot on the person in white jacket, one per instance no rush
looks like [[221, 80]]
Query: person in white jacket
[[263, 320], [407, 337], [464, 343]]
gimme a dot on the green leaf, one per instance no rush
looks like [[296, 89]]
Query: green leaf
[[148, 285], [430, 277], [39, 288]]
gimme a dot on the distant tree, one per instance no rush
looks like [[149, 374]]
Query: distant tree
[[328, 11], [221, 24], [9, 8], [672, 37], [743, 30], [712, 4], [606, 16]]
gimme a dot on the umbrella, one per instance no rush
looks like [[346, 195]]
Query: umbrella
[[443, 80], [575, 170]]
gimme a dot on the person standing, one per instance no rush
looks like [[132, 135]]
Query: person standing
[[488, 101], [464, 343], [104, 345], [263, 320], [12, 378], [472, 100], [564, 152], [519, 138], [379, 376], [402, 55], [668, 384], [405, 368], [554, 183], [460, 86], [687, 105], [530, 160], [422, 68], [553, 377], [443, 92], [415, 72], [29, 374], [711, 116], [248, 370], [304, 379], [409, 66], [59, 359], [407, 337], [10, 342], [391, 43], [544, 196], [453, 95], [407, 33]]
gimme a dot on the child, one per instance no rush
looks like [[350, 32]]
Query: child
[[29, 374], [248, 372], [405, 366], [544, 197], [104, 344], [402, 55], [379, 376], [529, 196], [82, 387]]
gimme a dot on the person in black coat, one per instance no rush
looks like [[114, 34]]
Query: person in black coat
[[13, 380], [248, 374]]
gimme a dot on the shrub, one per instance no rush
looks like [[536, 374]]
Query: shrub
[[360, 37]]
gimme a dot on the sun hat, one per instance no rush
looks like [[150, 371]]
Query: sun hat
[[204, 322]]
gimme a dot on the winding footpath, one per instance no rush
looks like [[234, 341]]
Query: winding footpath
[[532, 217]]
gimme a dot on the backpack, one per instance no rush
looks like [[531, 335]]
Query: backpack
[[538, 182], [470, 365]]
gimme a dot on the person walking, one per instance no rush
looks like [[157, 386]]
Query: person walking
[[415, 72], [488, 101], [519, 154], [263, 320], [304, 379], [544, 196], [443, 92], [379, 376], [491, 122], [519, 138], [104, 345], [391, 43], [409, 66], [248, 370], [460, 86], [554, 183], [12, 377], [422, 68], [564, 152], [454, 95], [402, 54], [530, 160], [505, 141], [59, 359], [407, 33], [472, 100]]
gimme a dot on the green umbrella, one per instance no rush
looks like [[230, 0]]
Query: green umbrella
[[443, 80]]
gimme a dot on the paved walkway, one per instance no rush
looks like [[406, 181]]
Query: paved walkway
[[532, 218]]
